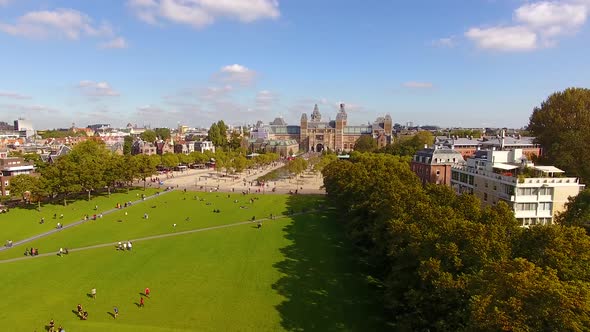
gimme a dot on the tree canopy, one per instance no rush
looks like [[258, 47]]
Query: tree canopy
[[148, 136], [562, 126], [445, 263], [218, 134], [365, 143]]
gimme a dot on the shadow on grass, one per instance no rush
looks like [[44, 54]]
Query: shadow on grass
[[110, 313], [325, 287], [89, 295]]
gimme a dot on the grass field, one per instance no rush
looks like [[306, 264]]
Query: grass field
[[295, 274], [23, 222]]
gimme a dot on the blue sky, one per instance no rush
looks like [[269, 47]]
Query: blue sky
[[163, 62]]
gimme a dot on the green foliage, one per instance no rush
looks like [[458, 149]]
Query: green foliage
[[55, 133], [409, 146], [127, 145], [577, 212], [365, 143], [162, 133], [148, 136], [442, 258], [562, 126], [23, 183], [218, 134], [235, 141]]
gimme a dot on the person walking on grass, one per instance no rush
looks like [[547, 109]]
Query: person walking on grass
[[116, 311], [93, 293], [147, 292], [141, 302]]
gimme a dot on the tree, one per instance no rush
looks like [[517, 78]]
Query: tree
[[148, 136], [218, 134], [235, 141], [127, 145], [90, 159], [517, 295], [23, 183], [577, 212], [169, 159], [562, 126], [162, 133], [365, 143]]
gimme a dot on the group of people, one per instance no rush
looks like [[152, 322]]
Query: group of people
[[52, 327], [8, 243], [63, 251], [124, 245], [124, 205], [83, 314], [31, 252]]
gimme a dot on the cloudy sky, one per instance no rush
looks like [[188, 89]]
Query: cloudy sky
[[162, 62]]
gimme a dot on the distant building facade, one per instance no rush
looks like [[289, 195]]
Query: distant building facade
[[316, 135], [536, 194], [204, 146], [433, 165]]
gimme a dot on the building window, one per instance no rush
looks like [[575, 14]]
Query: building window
[[546, 191], [525, 207], [437, 172], [486, 184], [546, 206], [485, 197]]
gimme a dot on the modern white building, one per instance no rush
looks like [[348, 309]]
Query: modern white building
[[535, 193], [204, 146], [24, 128]]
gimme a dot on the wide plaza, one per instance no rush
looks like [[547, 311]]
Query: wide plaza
[[208, 271]]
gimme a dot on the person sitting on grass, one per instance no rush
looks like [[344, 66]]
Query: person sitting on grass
[[51, 326], [26, 251], [79, 308]]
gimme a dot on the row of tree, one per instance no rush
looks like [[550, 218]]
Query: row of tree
[[91, 167], [447, 264]]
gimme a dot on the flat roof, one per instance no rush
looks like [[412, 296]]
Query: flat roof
[[505, 167], [548, 169]]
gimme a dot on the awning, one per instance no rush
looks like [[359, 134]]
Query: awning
[[505, 167], [548, 169]]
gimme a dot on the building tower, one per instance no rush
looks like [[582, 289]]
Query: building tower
[[340, 125], [303, 137], [315, 115], [388, 125]]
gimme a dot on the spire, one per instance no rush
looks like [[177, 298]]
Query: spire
[[316, 116]]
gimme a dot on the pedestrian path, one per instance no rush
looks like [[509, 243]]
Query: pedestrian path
[[74, 224], [153, 237]]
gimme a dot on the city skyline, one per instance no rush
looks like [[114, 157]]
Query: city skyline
[[160, 62]]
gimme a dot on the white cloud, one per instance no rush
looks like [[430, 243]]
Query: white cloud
[[118, 42], [97, 89], [444, 42], [13, 95], [515, 38], [536, 24], [236, 74], [418, 85], [199, 13], [552, 18], [67, 23]]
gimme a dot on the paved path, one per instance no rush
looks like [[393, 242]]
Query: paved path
[[114, 244], [74, 224]]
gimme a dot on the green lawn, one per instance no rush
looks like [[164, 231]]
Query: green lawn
[[23, 222], [294, 274]]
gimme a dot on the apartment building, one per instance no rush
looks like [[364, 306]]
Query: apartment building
[[535, 193]]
